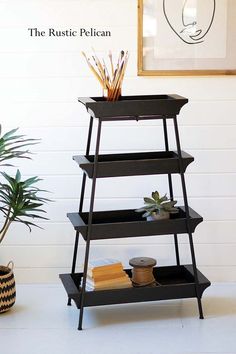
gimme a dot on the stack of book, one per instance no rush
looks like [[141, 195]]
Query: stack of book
[[106, 274]]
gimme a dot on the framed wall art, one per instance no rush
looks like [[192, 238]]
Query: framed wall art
[[186, 37]]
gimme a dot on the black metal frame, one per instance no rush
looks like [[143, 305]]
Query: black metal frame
[[188, 218], [81, 201], [92, 198], [171, 189]]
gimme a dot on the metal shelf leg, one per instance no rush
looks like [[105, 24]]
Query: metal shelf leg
[[188, 218], [84, 174], [81, 202], [171, 191], [74, 260], [89, 224]]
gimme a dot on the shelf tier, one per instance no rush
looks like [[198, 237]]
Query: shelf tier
[[128, 223], [134, 164], [134, 107], [174, 282]]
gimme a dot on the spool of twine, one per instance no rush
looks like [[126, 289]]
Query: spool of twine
[[142, 272]]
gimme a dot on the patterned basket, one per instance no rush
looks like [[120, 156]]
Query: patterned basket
[[7, 287]]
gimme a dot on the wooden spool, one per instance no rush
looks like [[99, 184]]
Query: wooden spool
[[142, 272]]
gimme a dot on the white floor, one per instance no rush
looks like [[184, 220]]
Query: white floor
[[41, 323]]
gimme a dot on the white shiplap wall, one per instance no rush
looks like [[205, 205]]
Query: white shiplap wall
[[40, 80]]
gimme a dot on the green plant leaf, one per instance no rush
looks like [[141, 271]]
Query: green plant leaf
[[140, 210], [31, 180], [149, 200], [18, 176], [27, 223], [9, 134], [11, 145], [158, 204], [163, 199], [155, 196], [169, 204], [21, 201]]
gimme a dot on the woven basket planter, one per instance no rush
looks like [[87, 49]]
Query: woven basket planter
[[7, 287]]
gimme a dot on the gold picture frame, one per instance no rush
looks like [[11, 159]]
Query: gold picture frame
[[165, 49]]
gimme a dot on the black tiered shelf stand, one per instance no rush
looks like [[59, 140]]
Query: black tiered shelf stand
[[176, 281]]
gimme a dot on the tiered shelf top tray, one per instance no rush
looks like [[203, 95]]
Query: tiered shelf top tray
[[134, 107]]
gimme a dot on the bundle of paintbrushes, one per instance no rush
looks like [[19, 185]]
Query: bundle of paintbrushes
[[111, 80]]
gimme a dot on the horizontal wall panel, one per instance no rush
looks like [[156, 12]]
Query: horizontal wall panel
[[48, 90], [134, 138], [48, 234], [208, 112], [217, 161], [67, 89], [60, 256], [219, 274], [42, 114], [47, 163], [208, 208], [39, 275], [208, 232], [55, 114], [198, 137], [71, 114], [61, 163], [206, 185], [54, 65], [200, 87], [215, 232]]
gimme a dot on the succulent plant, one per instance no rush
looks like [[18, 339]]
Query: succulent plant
[[157, 204]]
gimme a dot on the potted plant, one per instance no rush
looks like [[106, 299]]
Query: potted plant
[[157, 207], [19, 202]]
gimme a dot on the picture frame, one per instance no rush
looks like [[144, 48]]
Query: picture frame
[[186, 37]]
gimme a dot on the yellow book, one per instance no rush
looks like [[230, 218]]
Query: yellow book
[[105, 276], [123, 279], [101, 266], [114, 286], [124, 285]]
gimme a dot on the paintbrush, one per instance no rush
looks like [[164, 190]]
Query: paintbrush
[[93, 70], [110, 82], [99, 67], [97, 61], [106, 72], [121, 77], [115, 85], [111, 62]]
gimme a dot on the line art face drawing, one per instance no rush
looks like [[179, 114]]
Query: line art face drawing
[[189, 25]]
